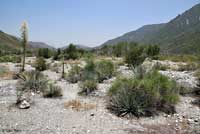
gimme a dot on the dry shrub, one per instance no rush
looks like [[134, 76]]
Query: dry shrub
[[78, 106]]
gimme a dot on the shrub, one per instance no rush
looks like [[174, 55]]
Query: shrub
[[143, 97], [89, 72], [74, 74], [152, 50], [134, 56], [32, 81], [41, 64], [87, 87], [52, 91], [10, 58], [104, 70]]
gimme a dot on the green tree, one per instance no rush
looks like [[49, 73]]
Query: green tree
[[71, 52], [135, 56], [152, 50], [24, 35]]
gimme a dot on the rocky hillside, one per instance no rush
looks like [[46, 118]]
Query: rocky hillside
[[180, 35]]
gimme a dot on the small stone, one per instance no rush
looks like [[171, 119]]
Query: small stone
[[24, 105], [92, 114]]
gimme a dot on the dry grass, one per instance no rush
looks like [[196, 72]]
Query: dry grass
[[73, 62], [5, 73], [79, 106]]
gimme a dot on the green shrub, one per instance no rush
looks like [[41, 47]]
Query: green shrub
[[74, 74], [143, 97], [89, 72], [87, 87], [52, 91], [10, 58], [135, 56], [104, 70], [41, 64]]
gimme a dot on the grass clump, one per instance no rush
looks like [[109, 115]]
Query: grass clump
[[52, 91], [88, 87], [143, 97], [104, 70], [74, 74]]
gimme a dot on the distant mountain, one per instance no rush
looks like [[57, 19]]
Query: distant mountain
[[40, 45], [180, 35], [79, 47], [12, 44]]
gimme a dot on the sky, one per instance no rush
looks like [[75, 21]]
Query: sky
[[85, 22]]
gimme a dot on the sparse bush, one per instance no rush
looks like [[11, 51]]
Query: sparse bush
[[104, 70], [87, 87], [74, 74], [143, 97], [41, 64], [52, 91]]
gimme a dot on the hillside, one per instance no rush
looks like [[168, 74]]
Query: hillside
[[8, 43], [180, 35], [11, 44], [40, 45]]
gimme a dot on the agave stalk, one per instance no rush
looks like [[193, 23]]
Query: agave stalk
[[63, 67], [24, 30]]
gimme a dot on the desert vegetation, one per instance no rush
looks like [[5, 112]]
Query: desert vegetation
[[131, 84]]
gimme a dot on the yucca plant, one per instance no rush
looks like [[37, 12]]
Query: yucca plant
[[143, 96], [24, 35], [33, 81]]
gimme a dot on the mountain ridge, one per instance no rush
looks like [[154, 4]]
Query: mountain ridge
[[179, 35]]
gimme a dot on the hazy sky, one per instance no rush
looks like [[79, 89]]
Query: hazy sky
[[87, 22]]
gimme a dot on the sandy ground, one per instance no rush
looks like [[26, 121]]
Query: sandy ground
[[50, 116]]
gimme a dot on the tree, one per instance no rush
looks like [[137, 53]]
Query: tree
[[135, 56], [71, 52], [152, 50], [24, 35]]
